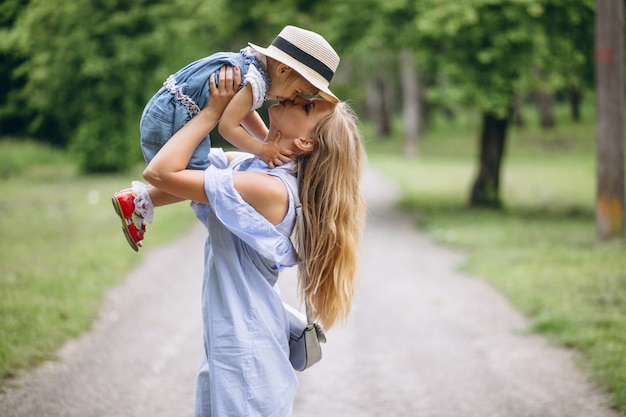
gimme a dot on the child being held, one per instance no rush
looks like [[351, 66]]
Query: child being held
[[298, 62]]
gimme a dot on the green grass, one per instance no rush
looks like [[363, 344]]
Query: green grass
[[541, 249], [61, 248]]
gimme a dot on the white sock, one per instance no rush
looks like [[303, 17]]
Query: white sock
[[143, 202]]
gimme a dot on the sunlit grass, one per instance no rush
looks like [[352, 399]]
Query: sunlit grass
[[541, 249]]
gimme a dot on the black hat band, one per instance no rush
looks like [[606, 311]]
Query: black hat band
[[303, 57]]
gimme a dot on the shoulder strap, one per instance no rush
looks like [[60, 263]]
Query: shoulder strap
[[300, 232]]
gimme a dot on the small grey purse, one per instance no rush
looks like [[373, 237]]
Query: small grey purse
[[305, 336]]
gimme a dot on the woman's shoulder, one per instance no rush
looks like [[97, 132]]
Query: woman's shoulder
[[266, 193]]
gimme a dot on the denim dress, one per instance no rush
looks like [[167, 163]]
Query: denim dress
[[182, 96], [244, 368]]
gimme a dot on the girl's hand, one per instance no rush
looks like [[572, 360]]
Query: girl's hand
[[273, 155], [229, 82]]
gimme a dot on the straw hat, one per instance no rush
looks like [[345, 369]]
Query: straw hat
[[307, 53]]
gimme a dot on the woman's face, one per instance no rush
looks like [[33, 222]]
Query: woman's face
[[293, 119]]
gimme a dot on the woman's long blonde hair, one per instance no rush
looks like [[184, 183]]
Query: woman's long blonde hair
[[334, 214]]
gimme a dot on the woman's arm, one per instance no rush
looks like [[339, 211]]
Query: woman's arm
[[167, 170]]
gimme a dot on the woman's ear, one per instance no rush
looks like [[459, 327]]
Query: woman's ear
[[304, 144]]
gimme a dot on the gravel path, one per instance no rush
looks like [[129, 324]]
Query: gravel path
[[424, 340]]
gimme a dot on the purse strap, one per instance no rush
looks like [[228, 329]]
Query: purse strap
[[300, 232]]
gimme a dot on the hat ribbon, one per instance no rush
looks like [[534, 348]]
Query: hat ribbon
[[303, 57]]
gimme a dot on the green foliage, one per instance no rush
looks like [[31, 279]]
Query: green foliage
[[81, 71], [567, 45], [478, 53], [14, 112], [100, 150], [483, 46], [17, 156], [86, 72]]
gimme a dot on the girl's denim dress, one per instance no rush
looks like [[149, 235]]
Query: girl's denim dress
[[182, 96]]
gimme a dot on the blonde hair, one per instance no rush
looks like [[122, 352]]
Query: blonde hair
[[334, 213]]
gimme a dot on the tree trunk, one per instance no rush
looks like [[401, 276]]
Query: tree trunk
[[575, 98], [609, 43], [544, 104], [517, 110], [424, 109], [486, 189], [377, 107], [410, 103], [543, 100]]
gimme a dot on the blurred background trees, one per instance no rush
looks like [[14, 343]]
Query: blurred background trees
[[77, 74]]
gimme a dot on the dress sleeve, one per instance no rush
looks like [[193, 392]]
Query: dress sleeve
[[259, 88], [244, 221], [218, 158]]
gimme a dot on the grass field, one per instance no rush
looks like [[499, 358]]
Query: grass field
[[541, 249], [61, 247]]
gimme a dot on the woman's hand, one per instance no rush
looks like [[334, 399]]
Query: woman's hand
[[229, 82]]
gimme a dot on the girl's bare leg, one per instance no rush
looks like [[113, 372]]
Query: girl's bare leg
[[147, 198], [161, 198]]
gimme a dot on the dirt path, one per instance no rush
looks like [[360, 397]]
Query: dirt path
[[423, 341]]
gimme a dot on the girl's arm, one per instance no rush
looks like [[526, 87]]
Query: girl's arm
[[230, 128], [254, 124]]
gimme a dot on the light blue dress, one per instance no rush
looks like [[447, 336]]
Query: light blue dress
[[245, 368]]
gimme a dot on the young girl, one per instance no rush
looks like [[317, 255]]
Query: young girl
[[249, 211], [297, 62]]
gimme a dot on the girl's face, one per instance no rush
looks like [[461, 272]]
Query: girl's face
[[289, 88], [294, 119]]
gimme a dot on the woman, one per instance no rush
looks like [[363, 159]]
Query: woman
[[249, 212]]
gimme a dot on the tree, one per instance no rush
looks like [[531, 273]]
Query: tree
[[84, 74], [609, 29], [566, 49], [14, 111], [381, 35], [488, 49], [90, 65], [484, 47], [411, 119]]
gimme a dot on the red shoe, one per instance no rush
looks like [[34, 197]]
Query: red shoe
[[133, 225]]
